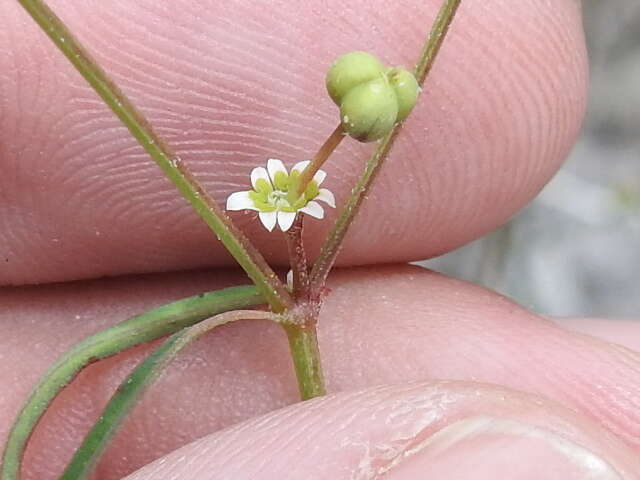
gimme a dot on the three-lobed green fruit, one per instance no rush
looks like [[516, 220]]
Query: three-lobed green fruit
[[372, 98], [351, 70]]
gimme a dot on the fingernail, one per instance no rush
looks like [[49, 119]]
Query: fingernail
[[487, 447]]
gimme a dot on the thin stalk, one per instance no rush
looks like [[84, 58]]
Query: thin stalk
[[303, 344], [138, 381], [142, 328], [302, 321], [317, 161], [332, 244], [171, 164], [298, 259]]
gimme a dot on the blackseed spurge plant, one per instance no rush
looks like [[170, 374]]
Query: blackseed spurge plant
[[374, 99]]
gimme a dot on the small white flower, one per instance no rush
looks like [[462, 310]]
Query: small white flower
[[270, 195]]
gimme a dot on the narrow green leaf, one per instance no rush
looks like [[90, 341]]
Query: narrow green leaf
[[142, 328], [131, 389]]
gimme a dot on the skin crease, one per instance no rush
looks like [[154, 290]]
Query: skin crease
[[79, 200]]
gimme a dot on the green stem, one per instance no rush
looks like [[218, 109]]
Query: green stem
[[435, 39], [332, 244], [136, 330], [172, 166], [303, 345], [321, 156], [138, 381]]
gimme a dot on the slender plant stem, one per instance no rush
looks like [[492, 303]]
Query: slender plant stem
[[302, 321], [317, 161], [303, 344], [331, 246], [172, 166], [298, 259], [138, 381], [136, 330], [302, 332], [435, 40]]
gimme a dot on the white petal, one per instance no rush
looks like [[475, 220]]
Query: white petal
[[320, 176], [274, 166], [258, 173], [285, 220], [314, 209], [268, 219], [240, 201], [327, 197], [300, 166]]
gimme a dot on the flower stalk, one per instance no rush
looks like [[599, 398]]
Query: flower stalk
[[317, 161], [298, 261]]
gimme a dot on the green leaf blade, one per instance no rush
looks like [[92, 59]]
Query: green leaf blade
[[142, 328]]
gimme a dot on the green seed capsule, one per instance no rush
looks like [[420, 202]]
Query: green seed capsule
[[372, 98], [351, 70], [407, 91], [369, 110]]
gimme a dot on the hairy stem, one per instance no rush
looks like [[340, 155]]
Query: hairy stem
[[172, 166], [142, 328], [298, 259], [331, 246], [138, 381], [302, 321]]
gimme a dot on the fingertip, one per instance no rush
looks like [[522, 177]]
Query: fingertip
[[625, 332], [484, 447], [448, 429]]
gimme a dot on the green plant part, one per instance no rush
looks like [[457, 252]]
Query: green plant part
[[372, 98], [142, 328], [407, 90], [369, 110], [351, 70], [139, 380], [245, 253]]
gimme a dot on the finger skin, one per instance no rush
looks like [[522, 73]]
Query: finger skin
[[383, 431], [230, 84], [625, 332], [378, 326]]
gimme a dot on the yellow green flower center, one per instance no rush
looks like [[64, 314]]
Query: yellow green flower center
[[268, 198]]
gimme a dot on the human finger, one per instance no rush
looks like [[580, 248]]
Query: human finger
[[383, 325], [407, 432], [230, 84]]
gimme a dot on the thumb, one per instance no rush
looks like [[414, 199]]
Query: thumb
[[443, 430]]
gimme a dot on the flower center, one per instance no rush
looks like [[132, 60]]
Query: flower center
[[278, 198]]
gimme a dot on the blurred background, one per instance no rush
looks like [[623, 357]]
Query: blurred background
[[576, 249]]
